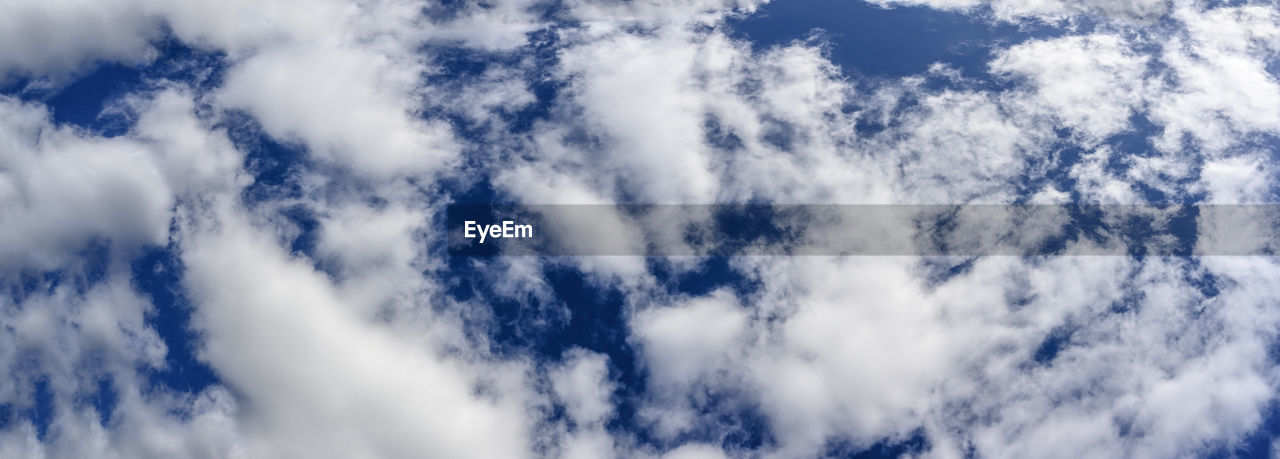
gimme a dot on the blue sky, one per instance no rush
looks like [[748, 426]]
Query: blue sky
[[221, 229]]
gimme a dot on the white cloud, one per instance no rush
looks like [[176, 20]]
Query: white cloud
[[243, 26], [693, 340], [194, 158], [498, 26], [322, 381], [1049, 10], [1223, 88], [652, 120], [353, 108], [1092, 83], [56, 38], [695, 451], [1097, 184], [1242, 179], [582, 384], [609, 15], [61, 189], [72, 341], [960, 146]]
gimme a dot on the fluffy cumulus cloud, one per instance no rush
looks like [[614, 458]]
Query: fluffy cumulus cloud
[[239, 253], [1048, 10], [56, 38]]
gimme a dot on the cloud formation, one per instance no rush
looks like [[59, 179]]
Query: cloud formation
[[297, 185]]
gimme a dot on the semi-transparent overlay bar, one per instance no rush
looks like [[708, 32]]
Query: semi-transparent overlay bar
[[912, 230]]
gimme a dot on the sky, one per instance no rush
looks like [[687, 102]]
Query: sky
[[223, 228]]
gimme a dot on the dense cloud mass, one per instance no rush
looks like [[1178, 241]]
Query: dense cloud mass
[[236, 251]]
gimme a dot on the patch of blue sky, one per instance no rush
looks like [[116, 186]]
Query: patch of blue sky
[[158, 275], [87, 269], [869, 41], [1256, 445], [83, 99], [912, 444]]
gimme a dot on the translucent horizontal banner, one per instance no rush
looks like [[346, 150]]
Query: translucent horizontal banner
[[914, 230]]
